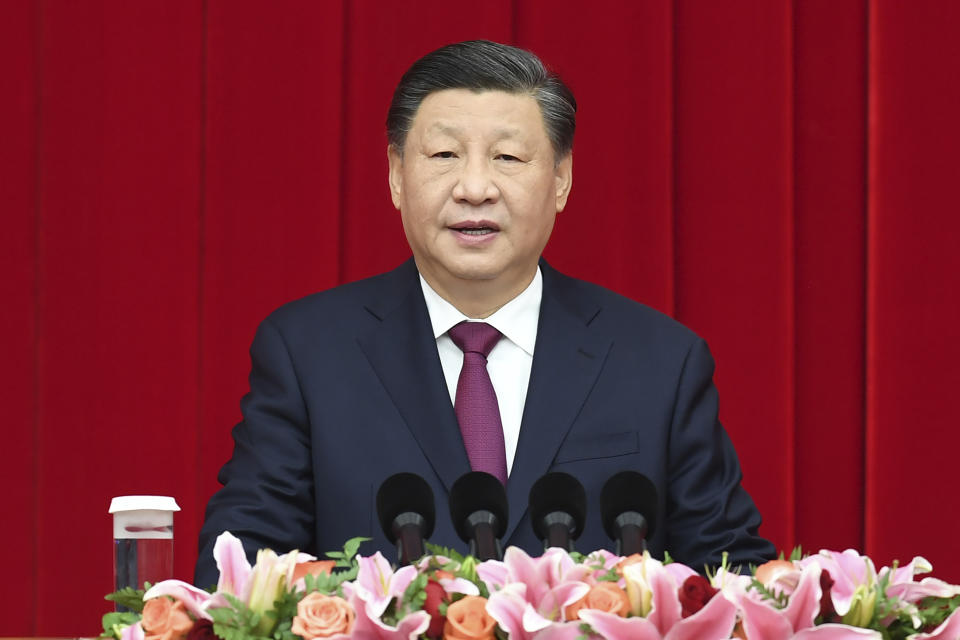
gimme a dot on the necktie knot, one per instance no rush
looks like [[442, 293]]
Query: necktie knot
[[475, 337]]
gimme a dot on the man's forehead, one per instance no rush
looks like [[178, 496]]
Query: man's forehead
[[457, 112], [453, 129]]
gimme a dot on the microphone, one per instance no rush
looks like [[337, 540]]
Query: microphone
[[406, 512], [558, 508], [478, 507], [628, 507]]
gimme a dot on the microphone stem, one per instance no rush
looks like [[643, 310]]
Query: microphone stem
[[560, 526], [631, 541], [632, 528], [408, 527], [485, 542]]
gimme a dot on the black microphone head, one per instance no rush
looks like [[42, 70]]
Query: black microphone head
[[557, 491], [628, 491], [405, 493], [478, 491]]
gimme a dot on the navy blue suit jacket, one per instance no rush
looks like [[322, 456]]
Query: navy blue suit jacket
[[346, 389]]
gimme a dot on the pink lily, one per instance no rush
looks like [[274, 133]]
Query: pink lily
[[600, 558], [369, 627], [652, 589], [450, 585], [731, 585], [903, 586], [377, 583], [762, 621], [561, 631], [237, 578], [949, 629], [836, 632], [713, 622], [233, 566], [515, 615], [459, 585], [552, 582], [554, 567], [506, 606], [854, 583], [196, 601], [133, 632]]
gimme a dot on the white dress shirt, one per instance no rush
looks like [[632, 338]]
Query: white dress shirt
[[510, 360]]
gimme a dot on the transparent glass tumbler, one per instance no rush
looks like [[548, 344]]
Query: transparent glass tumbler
[[142, 539]]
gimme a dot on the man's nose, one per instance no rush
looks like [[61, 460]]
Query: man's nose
[[476, 183]]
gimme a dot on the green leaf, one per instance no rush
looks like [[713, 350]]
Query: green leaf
[[129, 597], [779, 599], [116, 621], [796, 554], [346, 558], [329, 584], [413, 596], [437, 550], [933, 611], [236, 622]]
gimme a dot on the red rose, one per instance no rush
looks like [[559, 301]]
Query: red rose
[[436, 595], [695, 594], [202, 630], [827, 612]]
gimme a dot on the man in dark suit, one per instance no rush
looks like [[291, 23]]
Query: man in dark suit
[[352, 385]]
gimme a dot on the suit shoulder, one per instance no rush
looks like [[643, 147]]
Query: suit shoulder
[[346, 304], [621, 314]]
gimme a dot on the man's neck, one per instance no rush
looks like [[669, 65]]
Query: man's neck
[[479, 298]]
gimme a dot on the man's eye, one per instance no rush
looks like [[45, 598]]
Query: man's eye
[[507, 157], [444, 154]]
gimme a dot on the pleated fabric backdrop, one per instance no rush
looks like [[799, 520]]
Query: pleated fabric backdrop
[[780, 176]]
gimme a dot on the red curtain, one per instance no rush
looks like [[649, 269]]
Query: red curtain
[[780, 176]]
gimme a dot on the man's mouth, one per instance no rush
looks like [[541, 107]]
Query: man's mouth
[[472, 228]]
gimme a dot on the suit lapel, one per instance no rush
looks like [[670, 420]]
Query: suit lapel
[[403, 352], [566, 362]]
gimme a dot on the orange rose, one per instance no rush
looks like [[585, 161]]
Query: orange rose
[[467, 619], [315, 568], [605, 596], [768, 572], [320, 616], [165, 619]]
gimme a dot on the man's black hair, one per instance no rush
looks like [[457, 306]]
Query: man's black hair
[[481, 65]]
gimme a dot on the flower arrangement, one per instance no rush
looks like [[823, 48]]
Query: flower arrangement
[[558, 596]]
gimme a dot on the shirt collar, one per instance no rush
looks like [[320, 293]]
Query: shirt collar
[[517, 320]]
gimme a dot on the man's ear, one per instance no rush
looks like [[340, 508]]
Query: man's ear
[[395, 160], [564, 180]]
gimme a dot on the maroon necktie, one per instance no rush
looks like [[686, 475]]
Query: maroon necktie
[[476, 405]]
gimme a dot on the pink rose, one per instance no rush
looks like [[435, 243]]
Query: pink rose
[[320, 616]]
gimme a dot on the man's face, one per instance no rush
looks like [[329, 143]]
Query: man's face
[[478, 189]]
